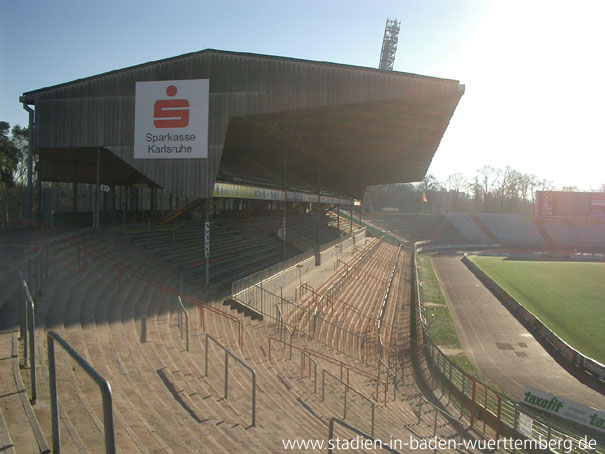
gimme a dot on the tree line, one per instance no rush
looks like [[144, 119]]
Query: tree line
[[490, 190], [13, 169], [13, 156]]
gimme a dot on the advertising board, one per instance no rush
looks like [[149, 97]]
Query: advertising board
[[565, 204], [171, 119], [573, 411]]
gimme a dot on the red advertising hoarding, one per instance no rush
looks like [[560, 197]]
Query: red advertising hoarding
[[570, 204], [597, 205], [545, 203]]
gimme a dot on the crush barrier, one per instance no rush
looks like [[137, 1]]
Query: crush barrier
[[345, 370], [309, 319], [281, 274], [46, 252]]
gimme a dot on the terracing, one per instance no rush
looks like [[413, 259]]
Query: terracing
[[117, 306], [237, 246]]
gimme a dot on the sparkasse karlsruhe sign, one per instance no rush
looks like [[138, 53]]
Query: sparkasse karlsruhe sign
[[579, 413], [171, 119]]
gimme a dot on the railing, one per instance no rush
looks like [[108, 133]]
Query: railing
[[302, 319], [15, 227], [343, 367], [328, 302], [372, 229], [338, 263], [450, 419], [303, 355], [389, 373], [242, 363], [464, 385], [383, 307], [86, 253], [182, 311], [282, 328], [347, 387], [534, 324], [104, 387], [376, 442], [284, 272], [502, 414], [273, 271], [28, 323], [39, 266], [327, 298]]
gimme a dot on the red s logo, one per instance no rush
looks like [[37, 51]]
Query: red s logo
[[171, 113]]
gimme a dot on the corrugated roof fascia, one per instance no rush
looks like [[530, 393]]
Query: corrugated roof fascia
[[241, 54]]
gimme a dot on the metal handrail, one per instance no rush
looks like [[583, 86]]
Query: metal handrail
[[283, 267], [268, 308], [279, 319], [104, 386], [347, 306], [182, 311], [29, 323], [355, 430], [86, 249], [347, 386], [304, 354], [336, 362], [242, 363], [391, 373], [384, 304], [503, 409], [281, 324], [349, 269], [438, 410]]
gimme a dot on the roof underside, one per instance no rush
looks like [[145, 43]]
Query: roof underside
[[342, 148], [79, 165], [340, 127]]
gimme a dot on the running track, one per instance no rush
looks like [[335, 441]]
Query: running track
[[498, 344]]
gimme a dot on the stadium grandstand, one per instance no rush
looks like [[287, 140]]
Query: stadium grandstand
[[564, 234], [114, 335], [239, 300]]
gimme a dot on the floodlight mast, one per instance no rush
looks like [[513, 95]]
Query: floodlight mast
[[389, 44]]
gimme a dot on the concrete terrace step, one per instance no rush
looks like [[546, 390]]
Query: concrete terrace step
[[226, 328], [117, 340], [20, 431], [387, 420], [162, 400], [91, 272]]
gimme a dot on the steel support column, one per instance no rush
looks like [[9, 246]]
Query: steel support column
[[97, 190], [74, 199], [317, 245], [207, 242], [30, 161], [285, 204]]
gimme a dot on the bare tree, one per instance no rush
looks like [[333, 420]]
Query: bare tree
[[488, 180], [455, 183]]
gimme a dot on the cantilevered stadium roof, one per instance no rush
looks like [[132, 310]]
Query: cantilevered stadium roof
[[337, 126]]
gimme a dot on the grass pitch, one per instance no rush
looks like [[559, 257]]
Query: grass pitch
[[568, 297]]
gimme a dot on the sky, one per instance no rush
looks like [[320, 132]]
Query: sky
[[534, 70]]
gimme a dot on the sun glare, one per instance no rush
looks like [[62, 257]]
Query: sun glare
[[534, 91]]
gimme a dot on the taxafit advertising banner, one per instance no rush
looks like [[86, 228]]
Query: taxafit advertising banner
[[579, 413]]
